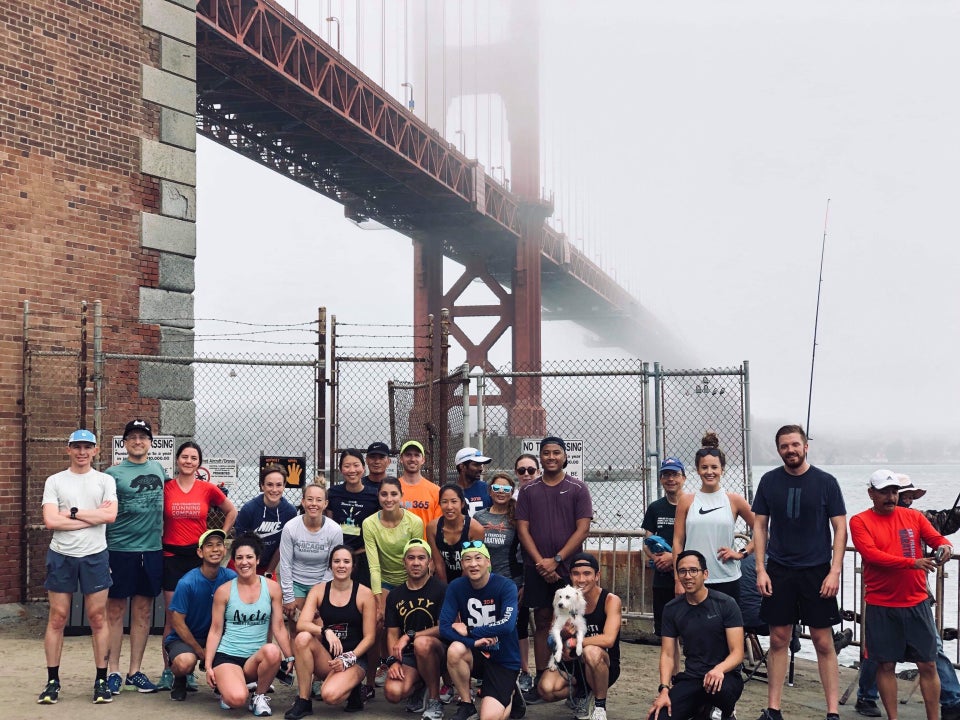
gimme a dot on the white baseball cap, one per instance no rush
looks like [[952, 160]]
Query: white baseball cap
[[469, 454]]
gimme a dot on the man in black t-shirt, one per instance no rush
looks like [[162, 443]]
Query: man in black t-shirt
[[413, 636], [711, 628], [658, 520]]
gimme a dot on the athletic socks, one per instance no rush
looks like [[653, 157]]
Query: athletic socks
[[600, 702], [101, 674], [53, 673]]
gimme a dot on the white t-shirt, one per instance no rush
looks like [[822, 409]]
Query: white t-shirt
[[85, 492]]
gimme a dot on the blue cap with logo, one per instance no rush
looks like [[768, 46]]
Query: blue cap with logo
[[82, 436], [672, 464]]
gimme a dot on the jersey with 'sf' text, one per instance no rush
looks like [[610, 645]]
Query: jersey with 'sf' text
[[490, 611]]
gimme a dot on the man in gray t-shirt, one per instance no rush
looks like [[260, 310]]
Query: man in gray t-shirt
[[78, 503]]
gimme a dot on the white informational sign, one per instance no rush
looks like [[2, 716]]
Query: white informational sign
[[161, 450], [574, 454], [221, 471]]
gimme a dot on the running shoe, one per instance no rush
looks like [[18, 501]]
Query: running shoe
[[166, 680], [465, 711], [433, 711], [600, 713], [532, 696], [224, 706], [584, 707], [191, 683], [367, 692], [447, 694], [139, 682], [260, 705], [301, 708], [355, 700], [417, 702], [252, 687], [101, 693], [50, 694], [868, 708], [381, 678], [115, 683], [179, 689], [284, 673], [518, 708], [525, 681], [316, 688]]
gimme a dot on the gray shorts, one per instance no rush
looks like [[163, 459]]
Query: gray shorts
[[92, 572], [178, 647], [895, 634]]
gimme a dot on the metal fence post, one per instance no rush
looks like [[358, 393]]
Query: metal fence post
[[334, 380], [747, 448], [465, 382], [657, 415], [98, 373], [82, 374], [320, 392], [481, 412]]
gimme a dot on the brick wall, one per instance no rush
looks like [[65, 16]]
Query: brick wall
[[72, 126]]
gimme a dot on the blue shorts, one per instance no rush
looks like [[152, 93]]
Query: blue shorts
[[92, 572], [136, 573]]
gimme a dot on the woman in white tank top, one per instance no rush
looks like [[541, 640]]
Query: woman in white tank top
[[706, 520]]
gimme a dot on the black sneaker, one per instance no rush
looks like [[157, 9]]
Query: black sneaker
[[868, 708], [101, 693], [301, 708], [179, 689], [951, 712], [354, 700], [518, 708], [532, 696], [283, 673], [465, 711], [50, 694]]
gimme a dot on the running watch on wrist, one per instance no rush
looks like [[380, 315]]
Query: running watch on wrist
[[73, 513], [557, 558]]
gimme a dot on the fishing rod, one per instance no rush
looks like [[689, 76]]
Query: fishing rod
[[816, 317]]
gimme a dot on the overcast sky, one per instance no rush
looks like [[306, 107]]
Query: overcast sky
[[695, 144]]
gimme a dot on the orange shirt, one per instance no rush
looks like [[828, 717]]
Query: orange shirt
[[422, 499]]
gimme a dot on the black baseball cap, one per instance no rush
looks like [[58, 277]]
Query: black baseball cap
[[378, 448], [138, 425]]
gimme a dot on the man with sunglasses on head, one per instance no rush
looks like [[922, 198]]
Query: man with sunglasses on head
[[709, 624], [562, 509], [478, 620], [798, 563]]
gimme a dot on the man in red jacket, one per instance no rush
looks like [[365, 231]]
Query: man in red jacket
[[899, 619]]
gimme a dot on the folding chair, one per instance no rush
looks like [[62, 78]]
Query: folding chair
[[754, 654]]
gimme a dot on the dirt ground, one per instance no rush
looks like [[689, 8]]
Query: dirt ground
[[22, 676]]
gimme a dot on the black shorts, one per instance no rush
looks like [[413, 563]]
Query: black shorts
[[135, 573], [661, 596], [220, 658], [537, 592], [731, 588], [175, 567], [900, 634], [796, 597], [361, 569], [575, 669], [499, 683]]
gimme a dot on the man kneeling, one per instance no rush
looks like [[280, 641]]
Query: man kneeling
[[591, 674], [711, 627]]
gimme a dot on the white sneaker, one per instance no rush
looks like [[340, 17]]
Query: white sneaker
[[599, 713], [260, 705], [417, 702], [446, 694], [381, 677], [584, 707]]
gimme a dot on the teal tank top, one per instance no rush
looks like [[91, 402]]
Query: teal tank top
[[245, 626]]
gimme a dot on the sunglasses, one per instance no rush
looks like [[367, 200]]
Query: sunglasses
[[526, 471], [702, 452], [501, 488], [467, 544]]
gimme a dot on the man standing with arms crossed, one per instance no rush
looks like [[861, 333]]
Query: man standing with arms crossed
[[798, 566], [78, 503], [378, 461], [136, 554], [563, 509]]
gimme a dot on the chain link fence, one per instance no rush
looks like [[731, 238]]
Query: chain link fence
[[601, 402]]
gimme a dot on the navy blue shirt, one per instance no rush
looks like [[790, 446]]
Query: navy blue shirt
[[490, 611], [350, 509], [799, 508]]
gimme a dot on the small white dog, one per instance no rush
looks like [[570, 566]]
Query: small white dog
[[568, 607]]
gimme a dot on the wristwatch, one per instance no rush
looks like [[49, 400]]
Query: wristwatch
[[73, 513], [557, 559], [662, 687]]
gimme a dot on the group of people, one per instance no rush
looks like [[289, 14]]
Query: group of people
[[376, 581], [799, 535]]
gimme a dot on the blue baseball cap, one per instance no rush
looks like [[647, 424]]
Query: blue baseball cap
[[85, 436], [672, 464]]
